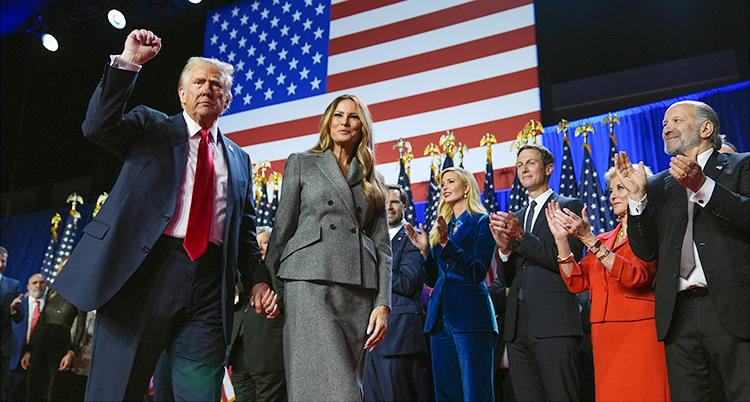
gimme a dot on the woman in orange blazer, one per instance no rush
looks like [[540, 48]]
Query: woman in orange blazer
[[629, 362]]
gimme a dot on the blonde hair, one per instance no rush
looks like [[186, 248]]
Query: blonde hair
[[372, 182], [473, 200]]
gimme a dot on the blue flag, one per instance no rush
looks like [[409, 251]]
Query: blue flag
[[592, 196], [489, 199], [48, 264], [66, 243], [519, 197], [404, 182], [568, 183], [611, 217], [433, 198]]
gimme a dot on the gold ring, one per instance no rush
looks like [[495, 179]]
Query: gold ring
[[685, 176]]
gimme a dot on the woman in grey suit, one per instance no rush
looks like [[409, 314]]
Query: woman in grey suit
[[330, 257]]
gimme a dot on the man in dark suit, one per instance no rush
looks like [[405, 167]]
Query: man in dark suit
[[10, 303], [391, 369], [37, 289], [159, 260], [695, 218], [256, 353], [542, 322]]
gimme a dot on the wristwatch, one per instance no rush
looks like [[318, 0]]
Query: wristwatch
[[595, 248]]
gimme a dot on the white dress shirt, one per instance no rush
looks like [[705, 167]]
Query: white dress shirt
[[697, 277]]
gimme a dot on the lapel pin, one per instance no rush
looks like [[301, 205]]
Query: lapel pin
[[719, 167]]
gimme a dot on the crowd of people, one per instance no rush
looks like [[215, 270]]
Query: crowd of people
[[328, 305]]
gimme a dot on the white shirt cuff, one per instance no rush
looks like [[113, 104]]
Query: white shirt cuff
[[636, 207], [118, 62], [703, 196]]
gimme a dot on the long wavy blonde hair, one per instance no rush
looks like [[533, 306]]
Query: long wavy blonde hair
[[372, 182], [473, 200]]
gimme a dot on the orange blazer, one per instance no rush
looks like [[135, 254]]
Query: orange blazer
[[626, 293]]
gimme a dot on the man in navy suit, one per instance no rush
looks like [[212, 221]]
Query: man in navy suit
[[392, 368], [37, 289], [10, 303], [542, 321], [160, 279], [695, 218]]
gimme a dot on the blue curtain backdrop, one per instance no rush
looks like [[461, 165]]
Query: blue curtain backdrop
[[639, 134]]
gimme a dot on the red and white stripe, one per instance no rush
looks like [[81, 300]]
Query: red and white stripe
[[423, 67]]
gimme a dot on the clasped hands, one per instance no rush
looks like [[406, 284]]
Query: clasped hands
[[265, 301], [684, 169], [420, 240], [505, 227]]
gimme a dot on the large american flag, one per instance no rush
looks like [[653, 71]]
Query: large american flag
[[423, 67]]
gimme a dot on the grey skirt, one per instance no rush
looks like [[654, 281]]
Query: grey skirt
[[324, 340]]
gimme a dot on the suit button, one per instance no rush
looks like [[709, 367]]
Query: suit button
[[166, 217], [354, 230], [330, 202], [684, 221], [679, 246], [333, 227], [144, 249], [674, 275], [359, 209]]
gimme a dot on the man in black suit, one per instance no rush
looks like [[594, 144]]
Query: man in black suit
[[695, 218], [256, 354], [391, 369], [542, 322], [10, 303], [158, 261]]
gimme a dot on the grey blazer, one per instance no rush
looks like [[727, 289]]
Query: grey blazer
[[326, 228]]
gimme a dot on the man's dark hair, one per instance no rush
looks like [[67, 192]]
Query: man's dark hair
[[401, 192], [547, 157]]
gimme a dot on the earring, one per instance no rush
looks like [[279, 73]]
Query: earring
[[465, 195]]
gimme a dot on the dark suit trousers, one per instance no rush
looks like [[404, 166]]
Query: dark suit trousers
[[543, 368], [170, 303], [255, 385], [391, 378], [696, 338], [44, 381]]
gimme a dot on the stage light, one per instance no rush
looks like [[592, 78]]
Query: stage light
[[116, 18], [195, 1], [49, 42]]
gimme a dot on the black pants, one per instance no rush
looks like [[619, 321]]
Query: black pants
[[44, 381], [695, 340]]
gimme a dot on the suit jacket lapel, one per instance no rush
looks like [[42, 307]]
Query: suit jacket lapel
[[465, 224], [177, 129], [541, 218], [716, 166], [331, 169], [233, 166]]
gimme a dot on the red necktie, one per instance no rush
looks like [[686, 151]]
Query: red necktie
[[201, 206], [34, 319]]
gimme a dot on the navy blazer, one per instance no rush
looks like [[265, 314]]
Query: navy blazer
[[404, 334], [142, 202], [532, 266], [11, 288], [456, 272], [721, 231], [19, 333]]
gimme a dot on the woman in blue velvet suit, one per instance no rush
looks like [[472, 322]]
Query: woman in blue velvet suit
[[460, 317]]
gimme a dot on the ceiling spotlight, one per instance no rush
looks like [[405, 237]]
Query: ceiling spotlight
[[116, 18], [195, 1], [49, 42]]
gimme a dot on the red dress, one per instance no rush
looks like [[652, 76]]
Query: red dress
[[629, 362]]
